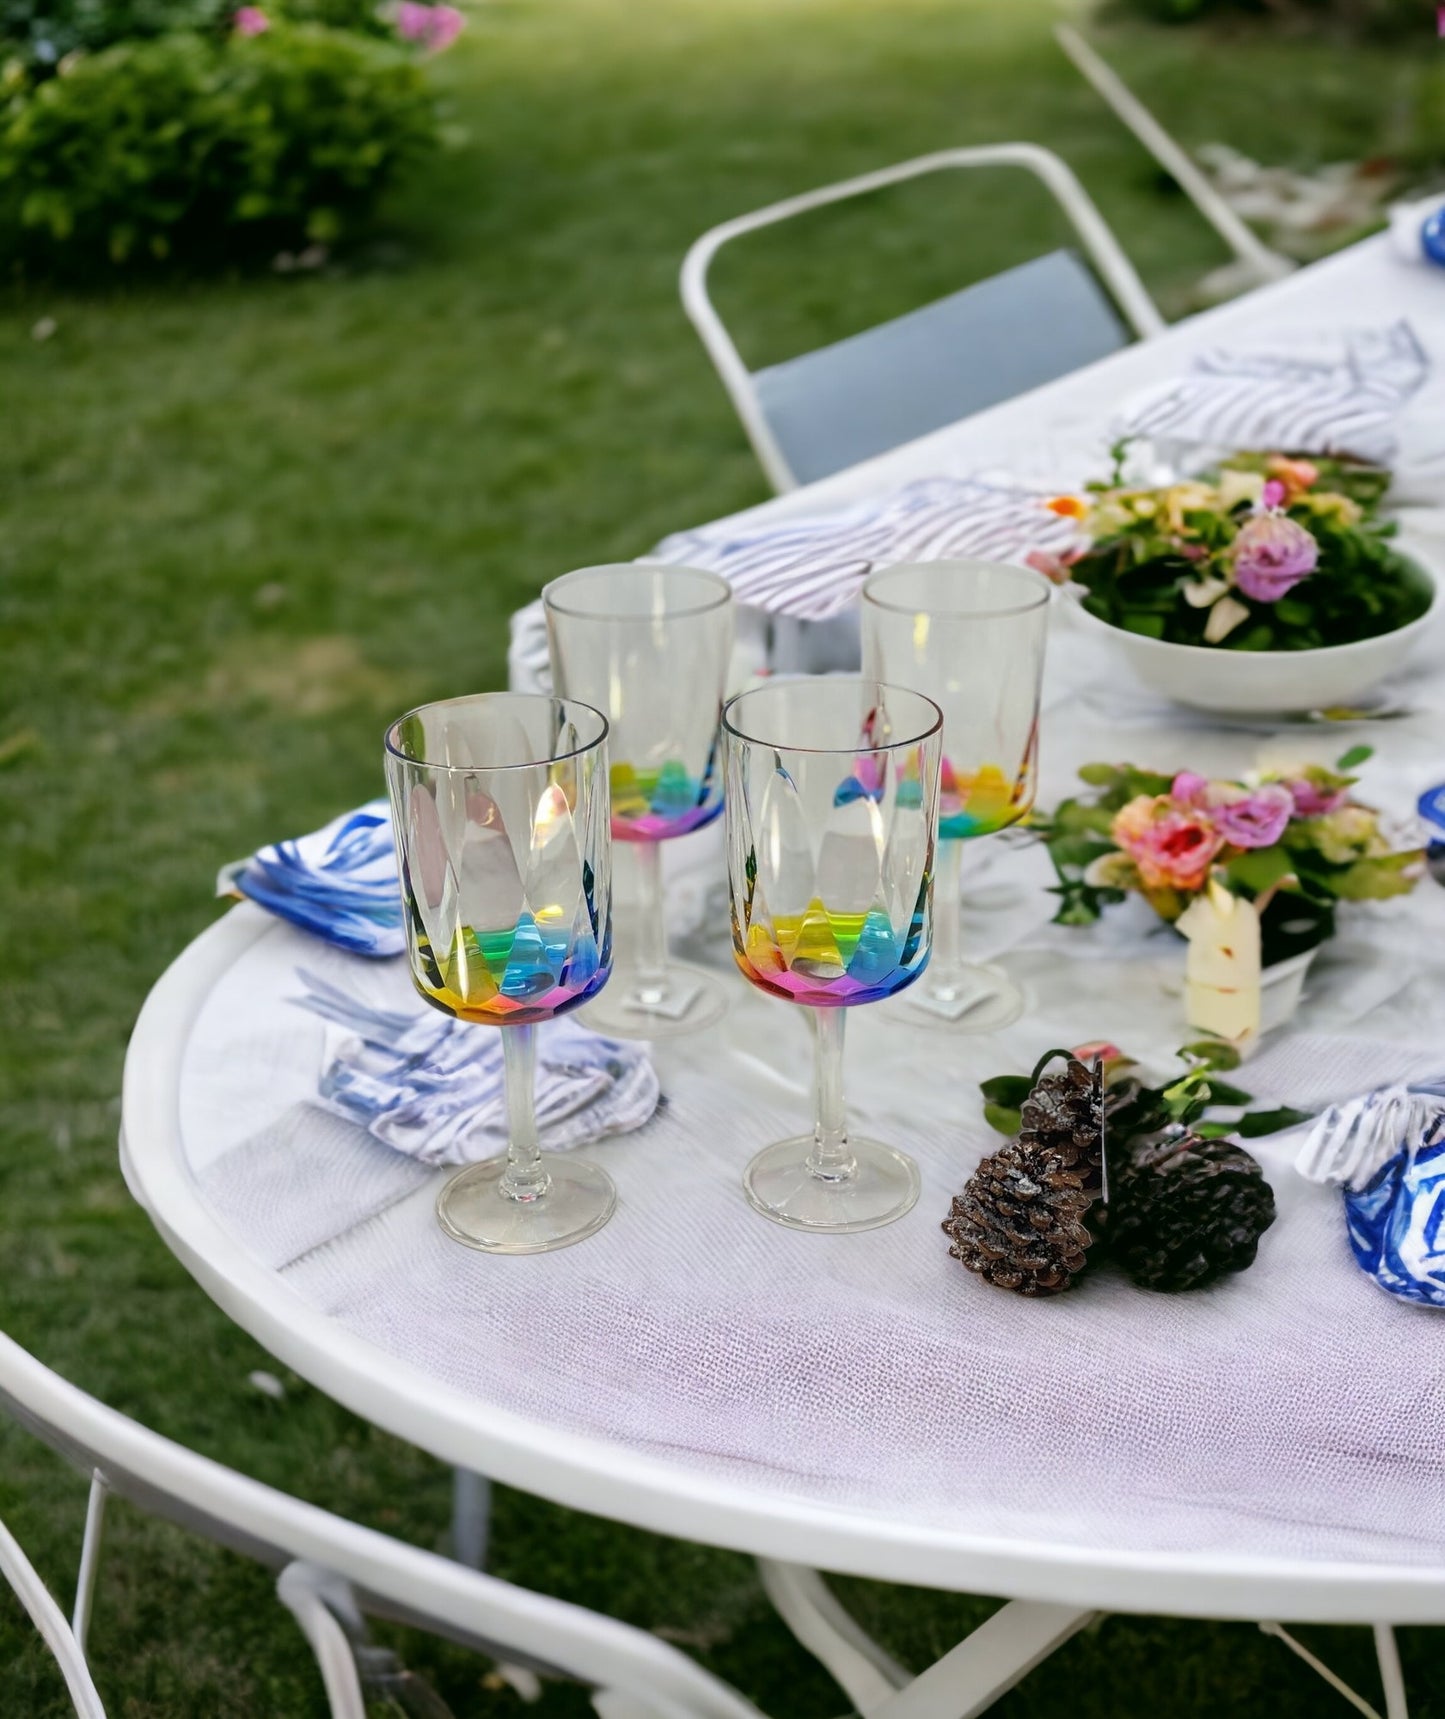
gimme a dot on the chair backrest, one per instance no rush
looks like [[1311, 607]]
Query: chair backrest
[[815, 414], [389, 1578]]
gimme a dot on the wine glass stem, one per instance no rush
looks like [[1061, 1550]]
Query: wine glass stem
[[948, 910], [651, 925], [830, 1160], [524, 1179]]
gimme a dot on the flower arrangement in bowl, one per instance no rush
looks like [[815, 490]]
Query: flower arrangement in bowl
[[1294, 842], [1269, 583]]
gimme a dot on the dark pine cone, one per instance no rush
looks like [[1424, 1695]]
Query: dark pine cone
[[1185, 1211], [1019, 1220], [1065, 1114]]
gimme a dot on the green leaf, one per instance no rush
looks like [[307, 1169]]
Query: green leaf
[[1214, 1130], [1008, 1090], [1212, 1053], [1259, 1122], [1259, 869], [1352, 759], [1378, 878], [999, 1116], [1221, 1092]]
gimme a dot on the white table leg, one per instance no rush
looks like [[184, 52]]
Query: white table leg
[[984, 1666], [1391, 1675], [988, 1663]]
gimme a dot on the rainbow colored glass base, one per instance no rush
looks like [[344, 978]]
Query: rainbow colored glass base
[[830, 960], [532, 972], [649, 805], [981, 803]]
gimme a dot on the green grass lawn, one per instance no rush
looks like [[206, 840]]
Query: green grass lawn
[[242, 522]]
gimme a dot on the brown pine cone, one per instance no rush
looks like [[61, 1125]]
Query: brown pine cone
[[1065, 1114], [1019, 1220]]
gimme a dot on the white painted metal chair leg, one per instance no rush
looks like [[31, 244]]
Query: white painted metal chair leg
[[807, 1605], [48, 1618], [90, 1548], [1391, 1676], [302, 1589], [988, 1663], [1335, 1681]]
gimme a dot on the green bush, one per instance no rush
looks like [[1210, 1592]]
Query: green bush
[[41, 33], [1363, 17], [197, 146]]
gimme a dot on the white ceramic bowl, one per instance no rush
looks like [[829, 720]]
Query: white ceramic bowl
[[1208, 677]]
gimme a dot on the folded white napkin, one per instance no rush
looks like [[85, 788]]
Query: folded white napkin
[[1326, 391], [340, 882], [432, 1087]]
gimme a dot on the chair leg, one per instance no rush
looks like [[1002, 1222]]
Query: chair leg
[[302, 1590], [865, 1673], [20, 1573], [90, 1548], [1335, 1681]]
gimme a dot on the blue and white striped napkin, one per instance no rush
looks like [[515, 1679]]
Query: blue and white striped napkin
[[432, 1087], [813, 566], [1328, 391], [339, 882]]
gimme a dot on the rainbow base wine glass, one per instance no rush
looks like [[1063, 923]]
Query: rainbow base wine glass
[[831, 815], [971, 635], [649, 646], [500, 808]]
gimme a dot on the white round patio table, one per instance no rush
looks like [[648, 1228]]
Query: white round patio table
[[857, 1404]]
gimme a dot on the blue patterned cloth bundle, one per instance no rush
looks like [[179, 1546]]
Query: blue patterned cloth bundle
[[1397, 1220], [339, 883]]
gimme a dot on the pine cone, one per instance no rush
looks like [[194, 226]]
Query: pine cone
[[1185, 1211], [1065, 1114], [1019, 1220]]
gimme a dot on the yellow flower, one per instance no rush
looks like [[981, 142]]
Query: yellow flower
[[1182, 498], [1330, 504], [1235, 487]]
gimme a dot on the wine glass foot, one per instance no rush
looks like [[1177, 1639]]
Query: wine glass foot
[[472, 1209], [883, 1186], [966, 999], [684, 999]]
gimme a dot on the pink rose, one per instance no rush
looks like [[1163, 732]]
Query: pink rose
[[1055, 567], [1258, 819], [1171, 845], [433, 28], [250, 21], [1189, 789], [1271, 555], [1313, 801]]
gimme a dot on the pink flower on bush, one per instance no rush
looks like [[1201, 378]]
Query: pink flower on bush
[[1172, 845], [432, 28], [250, 21], [1256, 820], [1271, 555], [1313, 801]]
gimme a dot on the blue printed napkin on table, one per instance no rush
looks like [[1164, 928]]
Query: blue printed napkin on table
[[339, 882], [432, 1087]]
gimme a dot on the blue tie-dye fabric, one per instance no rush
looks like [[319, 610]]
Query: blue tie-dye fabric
[[339, 883]]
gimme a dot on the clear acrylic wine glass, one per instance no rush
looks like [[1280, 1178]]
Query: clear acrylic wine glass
[[832, 807], [649, 645], [971, 635], [499, 805]]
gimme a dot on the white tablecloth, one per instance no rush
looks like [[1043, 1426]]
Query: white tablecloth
[[1295, 1410]]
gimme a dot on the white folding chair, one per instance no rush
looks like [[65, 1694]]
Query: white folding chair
[[333, 1573], [815, 414]]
